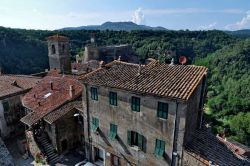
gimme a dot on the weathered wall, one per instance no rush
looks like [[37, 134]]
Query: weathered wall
[[145, 122], [13, 116], [192, 112], [67, 129], [189, 160]]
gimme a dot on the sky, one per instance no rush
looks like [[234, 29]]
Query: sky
[[171, 14]]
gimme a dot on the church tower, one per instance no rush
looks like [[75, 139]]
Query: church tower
[[58, 50]]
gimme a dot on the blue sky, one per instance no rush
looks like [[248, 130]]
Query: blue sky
[[172, 14]]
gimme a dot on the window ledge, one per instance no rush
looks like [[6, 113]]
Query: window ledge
[[162, 119], [136, 148]]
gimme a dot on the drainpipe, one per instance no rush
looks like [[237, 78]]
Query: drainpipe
[[88, 123], [174, 152]]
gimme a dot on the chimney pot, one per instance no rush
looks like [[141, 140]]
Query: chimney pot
[[71, 90], [172, 61], [101, 64], [139, 70]]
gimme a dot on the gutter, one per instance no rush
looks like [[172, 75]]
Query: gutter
[[174, 151]]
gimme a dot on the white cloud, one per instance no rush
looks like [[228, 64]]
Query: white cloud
[[190, 11], [138, 16], [244, 23], [208, 27]]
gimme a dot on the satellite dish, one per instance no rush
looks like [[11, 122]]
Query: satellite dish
[[182, 60]]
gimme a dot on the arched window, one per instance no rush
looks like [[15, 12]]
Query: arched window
[[53, 49]]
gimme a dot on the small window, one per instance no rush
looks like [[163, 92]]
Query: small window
[[6, 106], [113, 131], [162, 110], [159, 147], [53, 49], [135, 104], [94, 95], [95, 124], [63, 48], [115, 160], [136, 139], [113, 98]]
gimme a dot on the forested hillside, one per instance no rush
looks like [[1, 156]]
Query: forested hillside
[[229, 89], [226, 56], [25, 51]]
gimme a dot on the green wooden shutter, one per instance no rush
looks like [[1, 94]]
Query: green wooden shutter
[[129, 137], [140, 141]]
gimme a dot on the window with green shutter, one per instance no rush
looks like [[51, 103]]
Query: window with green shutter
[[159, 147], [113, 131], [95, 124], [162, 110], [136, 139], [135, 104], [94, 94], [113, 98]]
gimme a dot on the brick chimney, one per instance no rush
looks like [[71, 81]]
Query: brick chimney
[[71, 91]]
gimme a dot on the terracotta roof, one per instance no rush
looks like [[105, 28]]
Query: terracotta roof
[[13, 84], [205, 147], [174, 81], [58, 113], [42, 99], [241, 151], [58, 38]]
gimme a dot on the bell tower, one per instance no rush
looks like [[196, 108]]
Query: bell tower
[[58, 52]]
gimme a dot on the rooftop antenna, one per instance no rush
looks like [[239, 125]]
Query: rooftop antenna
[[182, 60]]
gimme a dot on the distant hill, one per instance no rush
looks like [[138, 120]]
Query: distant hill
[[116, 26], [244, 33]]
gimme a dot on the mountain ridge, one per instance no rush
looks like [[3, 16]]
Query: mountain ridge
[[116, 26]]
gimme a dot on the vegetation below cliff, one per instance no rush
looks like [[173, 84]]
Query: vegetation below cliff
[[228, 94], [226, 56]]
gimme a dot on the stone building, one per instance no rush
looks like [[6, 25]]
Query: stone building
[[59, 57], [12, 89], [52, 109], [109, 53], [141, 114]]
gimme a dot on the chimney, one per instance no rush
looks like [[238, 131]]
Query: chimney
[[51, 85], [119, 58], [139, 70], [71, 91], [172, 61], [101, 64]]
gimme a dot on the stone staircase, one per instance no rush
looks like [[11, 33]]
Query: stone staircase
[[48, 149]]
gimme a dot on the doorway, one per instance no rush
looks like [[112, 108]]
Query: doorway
[[64, 145]]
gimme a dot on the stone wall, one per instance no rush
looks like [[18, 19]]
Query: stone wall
[[144, 122], [60, 59], [13, 116], [191, 160], [5, 157], [67, 129]]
